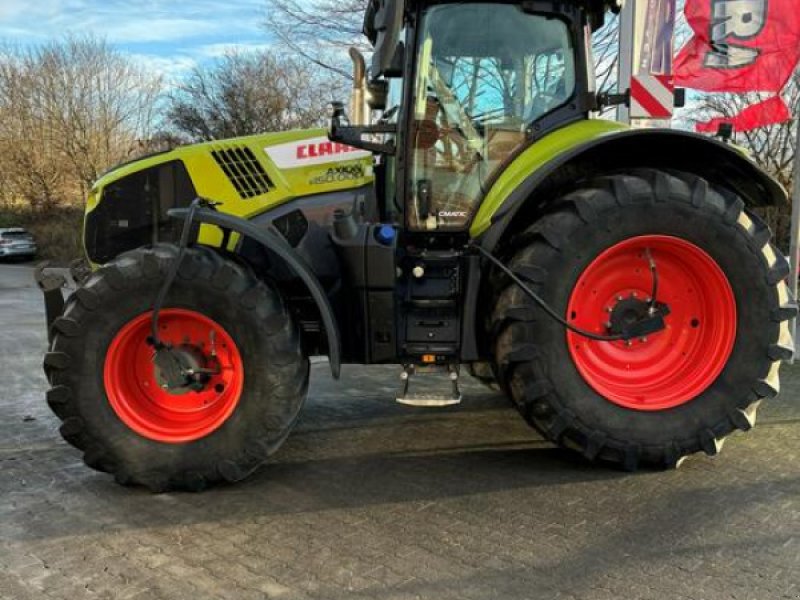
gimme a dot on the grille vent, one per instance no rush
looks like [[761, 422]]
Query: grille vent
[[243, 169]]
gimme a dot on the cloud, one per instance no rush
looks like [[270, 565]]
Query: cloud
[[222, 48], [142, 30], [124, 22], [170, 68], [165, 36], [14, 9]]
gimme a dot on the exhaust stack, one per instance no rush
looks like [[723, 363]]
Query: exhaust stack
[[358, 104]]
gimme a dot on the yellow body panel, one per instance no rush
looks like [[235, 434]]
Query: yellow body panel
[[298, 163], [534, 158]]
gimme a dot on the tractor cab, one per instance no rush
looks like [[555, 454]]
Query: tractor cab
[[459, 90]]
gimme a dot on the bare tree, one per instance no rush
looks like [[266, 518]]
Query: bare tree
[[247, 93], [772, 147], [320, 31], [33, 170], [69, 110]]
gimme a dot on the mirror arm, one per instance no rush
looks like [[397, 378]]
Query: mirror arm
[[352, 136]]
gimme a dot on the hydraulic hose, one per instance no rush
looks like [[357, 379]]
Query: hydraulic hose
[[517, 279], [173, 272]]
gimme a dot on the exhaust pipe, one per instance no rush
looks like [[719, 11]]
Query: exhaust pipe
[[358, 104]]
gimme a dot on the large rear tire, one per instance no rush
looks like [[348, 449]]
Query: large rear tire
[[116, 410], [679, 391]]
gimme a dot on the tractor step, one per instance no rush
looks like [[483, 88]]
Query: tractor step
[[426, 399], [429, 401]]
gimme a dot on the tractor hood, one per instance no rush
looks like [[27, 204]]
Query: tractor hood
[[128, 207], [249, 174]]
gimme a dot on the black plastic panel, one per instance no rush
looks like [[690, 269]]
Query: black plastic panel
[[133, 211]]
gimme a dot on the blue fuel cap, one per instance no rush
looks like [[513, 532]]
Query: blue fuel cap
[[385, 235]]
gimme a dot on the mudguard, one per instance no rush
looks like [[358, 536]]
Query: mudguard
[[274, 242], [720, 163]]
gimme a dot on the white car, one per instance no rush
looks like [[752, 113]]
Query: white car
[[16, 242]]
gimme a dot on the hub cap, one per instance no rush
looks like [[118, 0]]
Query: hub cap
[[137, 391], [667, 368]]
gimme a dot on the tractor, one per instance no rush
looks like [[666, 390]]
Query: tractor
[[467, 212]]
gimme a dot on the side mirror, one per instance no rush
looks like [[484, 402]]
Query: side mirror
[[377, 93], [338, 115], [387, 23], [351, 131]]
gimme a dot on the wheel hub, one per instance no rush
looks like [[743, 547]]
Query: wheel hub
[[181, 392], [631, 317], [694, 322], [183, 369], [626, 313]]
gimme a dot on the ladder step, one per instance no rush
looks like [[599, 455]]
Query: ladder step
[[429, 400]]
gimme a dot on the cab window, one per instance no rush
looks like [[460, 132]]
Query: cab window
[[485, 73]]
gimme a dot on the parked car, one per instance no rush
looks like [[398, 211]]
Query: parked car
[[16, 242]]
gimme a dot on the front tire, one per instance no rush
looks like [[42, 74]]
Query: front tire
[[111, 401], [683, 390]]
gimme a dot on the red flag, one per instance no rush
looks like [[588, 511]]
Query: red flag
[[768, 112], [740, 45]]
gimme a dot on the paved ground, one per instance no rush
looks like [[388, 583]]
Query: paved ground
[[372, 500]]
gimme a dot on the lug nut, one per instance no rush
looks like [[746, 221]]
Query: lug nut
[[628, 343], [608, 324], [643, 339], [620, 298], [609, 309]]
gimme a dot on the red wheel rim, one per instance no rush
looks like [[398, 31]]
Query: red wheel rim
[[673, 366], [135, 393]]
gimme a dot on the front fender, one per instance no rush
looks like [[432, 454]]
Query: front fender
[[274, 242]]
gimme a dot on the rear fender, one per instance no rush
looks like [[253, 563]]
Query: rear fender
[[511, 208], [719, 163]]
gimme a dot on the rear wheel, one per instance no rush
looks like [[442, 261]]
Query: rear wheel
[[124, 413], [659, 397]]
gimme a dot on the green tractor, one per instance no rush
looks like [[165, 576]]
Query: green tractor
[[471, 214]]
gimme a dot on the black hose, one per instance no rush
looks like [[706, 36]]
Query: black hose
[[543, 305], [654, 272], [173, 272]]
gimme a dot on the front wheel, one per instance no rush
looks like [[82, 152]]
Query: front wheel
[[118, 405], [656, 398]]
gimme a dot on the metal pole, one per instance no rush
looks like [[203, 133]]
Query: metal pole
[[794, 245], [627, 46]]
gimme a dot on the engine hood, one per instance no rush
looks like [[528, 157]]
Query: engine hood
[[255, 173]]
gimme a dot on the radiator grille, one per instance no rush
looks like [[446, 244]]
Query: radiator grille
[[241, 166]]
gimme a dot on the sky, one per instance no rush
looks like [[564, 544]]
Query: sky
[[167, 36]]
